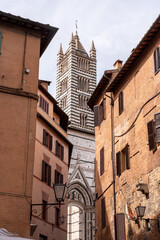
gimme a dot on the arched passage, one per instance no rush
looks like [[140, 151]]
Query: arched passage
[[80, 212]]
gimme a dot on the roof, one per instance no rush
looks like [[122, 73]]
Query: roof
[[101, 86], [109, 85], [47, 32], [63, 116], [136, 53]]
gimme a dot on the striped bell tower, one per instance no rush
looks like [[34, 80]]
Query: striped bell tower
[[76, 81]]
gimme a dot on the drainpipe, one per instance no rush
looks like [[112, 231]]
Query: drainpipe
[[113, 160]]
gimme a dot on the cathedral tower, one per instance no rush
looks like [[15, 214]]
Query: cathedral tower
[[76, 81]]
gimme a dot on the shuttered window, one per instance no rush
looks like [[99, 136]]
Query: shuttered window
[[0, 41], [47, 139], [157, 126], [44, 210], [118, 160], [46, 173], [151, 135], [58, 177], [98, 114], [123, 160], [157, 60], [120, 225], [103, 213], [44, 104], [121, 104], [59, 150], [102, 161]]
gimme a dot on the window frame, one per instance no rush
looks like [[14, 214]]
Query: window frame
[[156, 56], [43, 104], [124, 156], [46, 173], [58, 178], [121, 102], [0, 41], [47, 139], [59, 150]]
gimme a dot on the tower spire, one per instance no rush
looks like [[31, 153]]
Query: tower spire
[[60, 49]]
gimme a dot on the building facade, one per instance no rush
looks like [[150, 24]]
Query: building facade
[[126, 105], [51, 164], [21, 45], [76, 81]]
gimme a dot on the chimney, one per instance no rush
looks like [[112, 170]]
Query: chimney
[[118, 64]]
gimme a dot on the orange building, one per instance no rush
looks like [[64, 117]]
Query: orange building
[[126, 105], [52, 158], [22, 42]]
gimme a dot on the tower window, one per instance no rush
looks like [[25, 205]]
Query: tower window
[[64, 85], [64, 102], [83, 101], [83, 64], [83, 84], [83, 120]]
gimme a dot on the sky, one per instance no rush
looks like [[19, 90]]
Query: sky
[[116, 27]]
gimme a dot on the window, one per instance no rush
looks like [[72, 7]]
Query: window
[[64, 102], [59, 150], [44, 104], [64, 85], [47, 139], [102, 161], [44, 210], [46, 173], [122, 159], [83, 84], [103, 213], [58, 177], [83, 101], [83, 120], [120, 225], [99, 113], [157, 60], [42, 237], [153, 127], [57, 217], [120, 101], [0, 41]]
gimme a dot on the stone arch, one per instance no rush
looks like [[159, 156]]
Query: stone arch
[[82, 205]]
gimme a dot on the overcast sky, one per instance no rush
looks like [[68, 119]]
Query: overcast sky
[[115, 26]]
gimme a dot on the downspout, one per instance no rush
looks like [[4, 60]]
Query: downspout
[[113, 163], [113, 159]]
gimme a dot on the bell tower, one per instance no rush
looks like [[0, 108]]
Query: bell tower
[[76, 81]]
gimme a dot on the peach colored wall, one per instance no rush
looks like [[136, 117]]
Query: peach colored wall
[[140, 85], [18, 122], [48, 227]]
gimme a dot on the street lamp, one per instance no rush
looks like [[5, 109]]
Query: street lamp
[[59, 191], [140, 210]]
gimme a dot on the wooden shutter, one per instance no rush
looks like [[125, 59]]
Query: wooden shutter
[[127, 157], [120, 99], [96, 115], [157, 126], [56, 148], [103, 213], [104, 108], [0, 40], [40, 101], [62, 153], [151, 135], [49, 175], [61, 178], [102, 161], [120, 225], [157, 59], [43, 170], [44, 137], [118, 160], [50, 142], [56, 177]]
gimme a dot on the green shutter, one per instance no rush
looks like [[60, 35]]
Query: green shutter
[[0, 40]]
